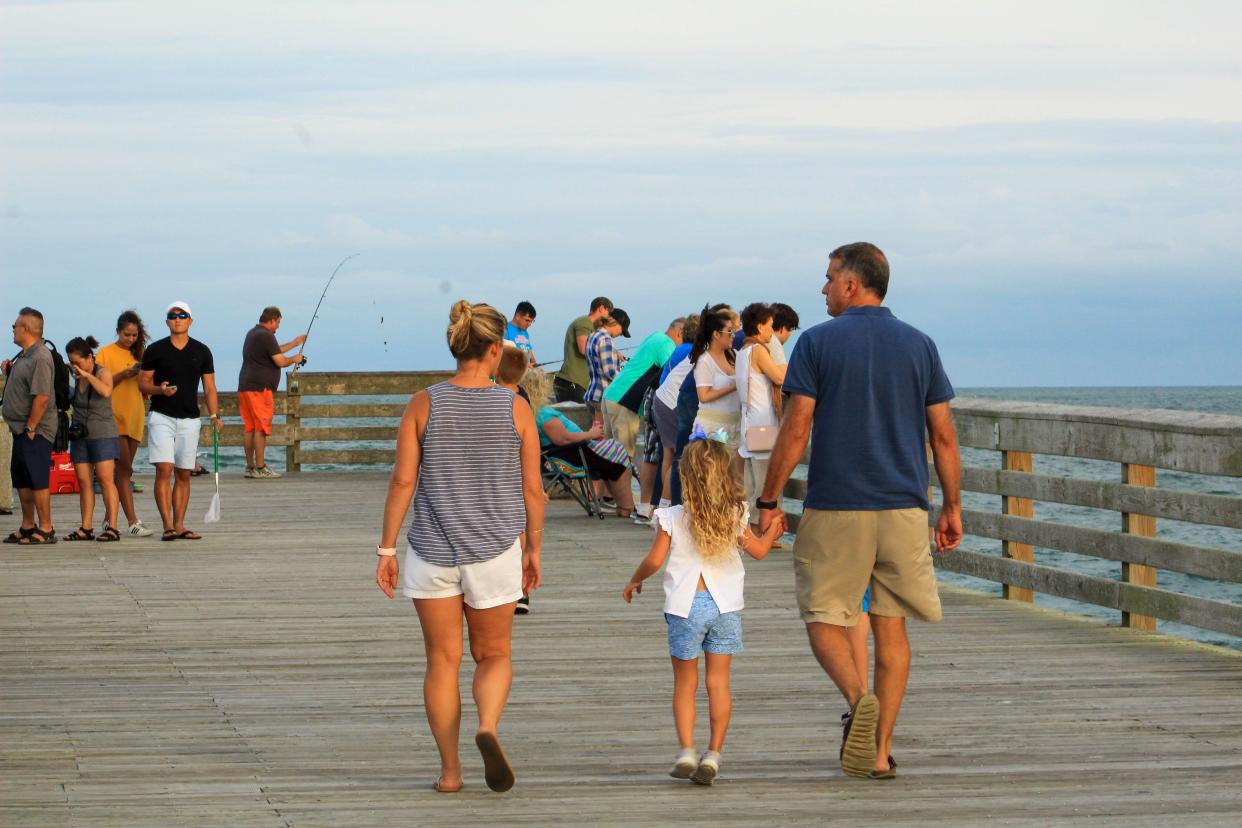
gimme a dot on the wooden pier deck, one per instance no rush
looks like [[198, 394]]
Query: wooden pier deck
[[258, 677]]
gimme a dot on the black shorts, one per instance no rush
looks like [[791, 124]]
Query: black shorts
[[596, 466], [31, 466]]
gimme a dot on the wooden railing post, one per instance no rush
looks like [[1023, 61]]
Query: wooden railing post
[[1019, 461], [293, 423], [1144, 525]]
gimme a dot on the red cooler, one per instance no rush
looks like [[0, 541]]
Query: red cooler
[[64, 478]]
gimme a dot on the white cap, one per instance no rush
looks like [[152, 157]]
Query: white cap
[[180, 306]]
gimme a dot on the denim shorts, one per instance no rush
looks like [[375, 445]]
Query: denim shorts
[[706, 630], [95, 450]]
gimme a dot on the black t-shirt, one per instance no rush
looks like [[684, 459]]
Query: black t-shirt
[[258, 372], [182, 368]]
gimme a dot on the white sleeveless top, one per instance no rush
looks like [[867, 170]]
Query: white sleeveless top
[[724, 575], [754, 389]]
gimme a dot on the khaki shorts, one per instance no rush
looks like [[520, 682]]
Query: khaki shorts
[[754, 474], [621, 424], [837, 554]]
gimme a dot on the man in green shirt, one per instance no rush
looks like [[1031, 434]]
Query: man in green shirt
[[572, 380]]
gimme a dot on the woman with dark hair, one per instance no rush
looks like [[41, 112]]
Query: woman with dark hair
[[93, 444], [715, 376], [757, 377], [468, 456], [124, 358]]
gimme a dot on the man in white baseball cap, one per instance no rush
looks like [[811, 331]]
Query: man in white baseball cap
[[172, 369]]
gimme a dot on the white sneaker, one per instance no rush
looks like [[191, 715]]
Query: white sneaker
[[264, 473], [709, 766], [250, 472], [138, 529], [684, 765]]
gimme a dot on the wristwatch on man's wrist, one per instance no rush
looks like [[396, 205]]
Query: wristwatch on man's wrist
[[765, 505]]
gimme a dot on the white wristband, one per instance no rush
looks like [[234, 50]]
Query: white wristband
[[385, 553]]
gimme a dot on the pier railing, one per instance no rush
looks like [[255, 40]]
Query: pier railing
[[341, 414], [1138, 442]]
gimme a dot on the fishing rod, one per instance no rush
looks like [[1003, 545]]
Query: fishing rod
[[315, 315], [559, 361]]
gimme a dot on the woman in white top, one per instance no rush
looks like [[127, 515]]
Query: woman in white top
[[702, 592], [757, 374], [714, 378]]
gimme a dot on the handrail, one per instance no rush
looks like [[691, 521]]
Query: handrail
[[1140, 441]]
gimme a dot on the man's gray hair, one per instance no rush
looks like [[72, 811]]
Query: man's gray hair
[[867, 262]]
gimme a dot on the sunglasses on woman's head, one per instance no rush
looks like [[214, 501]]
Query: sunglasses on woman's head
[[179, 315]]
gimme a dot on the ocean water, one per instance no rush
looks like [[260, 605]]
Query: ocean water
[[1216, 399]]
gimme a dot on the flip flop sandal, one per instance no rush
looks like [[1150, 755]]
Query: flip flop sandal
[[858, 752], [189, 534], [891, 773], [80, 534], [438, 788], [109, 535], [496, 768], [43, 538], [169, 535], [16, 537]]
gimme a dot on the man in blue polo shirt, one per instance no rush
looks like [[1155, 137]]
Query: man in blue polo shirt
[[872, 387]]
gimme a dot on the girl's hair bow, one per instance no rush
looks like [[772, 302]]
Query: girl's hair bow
[[719, 435]]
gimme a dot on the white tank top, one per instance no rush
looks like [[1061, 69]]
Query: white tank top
[[754, 389]]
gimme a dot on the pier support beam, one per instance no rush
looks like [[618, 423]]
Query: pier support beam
[[1019, 461], [1144, 525]]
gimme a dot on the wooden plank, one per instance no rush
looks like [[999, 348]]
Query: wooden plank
[[1020, 462], [1205, 562], [314, 411], [1204, 613], [293, 421], [1179, 440], [1144, 526], [232, 435], [1192, 507], [348, 433], [346, 457], [367, 383]]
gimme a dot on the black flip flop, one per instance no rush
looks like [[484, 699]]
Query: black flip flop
[[497, 771], [891, 773], [169, 535]]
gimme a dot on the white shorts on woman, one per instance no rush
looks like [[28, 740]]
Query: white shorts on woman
[[483, 585]]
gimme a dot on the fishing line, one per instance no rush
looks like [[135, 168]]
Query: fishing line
[[319, 304], [559, 361]]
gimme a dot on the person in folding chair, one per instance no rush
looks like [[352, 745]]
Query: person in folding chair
[[567, 448]]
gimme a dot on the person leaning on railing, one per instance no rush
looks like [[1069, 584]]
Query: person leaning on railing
[[468, 456]]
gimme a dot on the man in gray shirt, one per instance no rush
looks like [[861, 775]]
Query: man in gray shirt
[[30, 416]]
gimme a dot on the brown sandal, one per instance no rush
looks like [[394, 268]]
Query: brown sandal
[[109, 535], [80, 534], [38, 537]]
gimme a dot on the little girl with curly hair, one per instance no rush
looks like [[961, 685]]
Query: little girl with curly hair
[[702, 542]]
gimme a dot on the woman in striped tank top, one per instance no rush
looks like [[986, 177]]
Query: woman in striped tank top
[[468, 456]]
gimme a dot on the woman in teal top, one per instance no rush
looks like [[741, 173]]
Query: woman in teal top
[[561, 438]]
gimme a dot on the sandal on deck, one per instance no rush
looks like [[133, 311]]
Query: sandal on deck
[[109, 535], [858, 751], [16, 537], [497, 771], [38, 537], [80, 534], [189, 534], [891, 773], [169, 535]]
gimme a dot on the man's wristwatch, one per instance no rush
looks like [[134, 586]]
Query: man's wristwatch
[[766, 505]]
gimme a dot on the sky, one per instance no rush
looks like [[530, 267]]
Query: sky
[[1058, 186]]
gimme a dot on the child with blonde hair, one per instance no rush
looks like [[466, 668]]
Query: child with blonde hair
[[702, 541]]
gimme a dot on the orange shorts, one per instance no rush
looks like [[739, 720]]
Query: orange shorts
[[256, 410]]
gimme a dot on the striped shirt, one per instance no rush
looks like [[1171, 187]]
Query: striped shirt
[[469, 505], [602, 364]]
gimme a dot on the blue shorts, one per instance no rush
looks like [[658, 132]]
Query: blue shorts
[[706, 630], [866, 602], [95, 450], [31, 464]]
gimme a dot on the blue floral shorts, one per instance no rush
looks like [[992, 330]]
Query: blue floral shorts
[[706, 630]]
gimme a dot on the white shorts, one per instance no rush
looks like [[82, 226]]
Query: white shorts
[[173, 440], [484, 585]]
